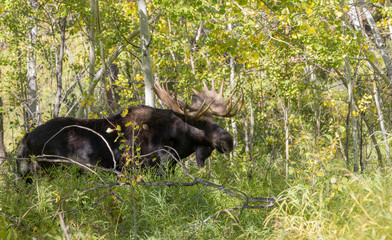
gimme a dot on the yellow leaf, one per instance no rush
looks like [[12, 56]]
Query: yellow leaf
[[124, 113], [58, 198], [129, 124], [338, 13], [133, 182], [309, 11], [311, 30], [139, 177]]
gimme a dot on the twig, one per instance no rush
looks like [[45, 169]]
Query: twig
[[18, 222], [88, 129], [62, 224]]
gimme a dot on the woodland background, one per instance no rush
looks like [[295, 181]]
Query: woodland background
[[315, 129]]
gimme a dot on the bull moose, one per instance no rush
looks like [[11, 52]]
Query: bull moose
[[109, 142]]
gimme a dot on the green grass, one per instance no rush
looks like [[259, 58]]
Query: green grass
[[338, 206]]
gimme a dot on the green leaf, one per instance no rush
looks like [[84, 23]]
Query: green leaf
[[344, 180]]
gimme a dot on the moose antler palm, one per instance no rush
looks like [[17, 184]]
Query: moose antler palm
[[207, 99]]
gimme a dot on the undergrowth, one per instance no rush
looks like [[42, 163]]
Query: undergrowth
[[341, 205]]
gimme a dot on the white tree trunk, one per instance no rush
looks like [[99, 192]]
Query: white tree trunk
[[232, 86], [33, 111], [145, 51], [381, 46], [382, 123]]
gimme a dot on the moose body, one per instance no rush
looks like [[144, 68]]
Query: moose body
[[106, 142], [158, 135]]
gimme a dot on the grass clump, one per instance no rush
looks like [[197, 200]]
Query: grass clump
[[346, 207]]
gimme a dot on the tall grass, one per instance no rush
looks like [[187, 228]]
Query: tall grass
[[339, 206]]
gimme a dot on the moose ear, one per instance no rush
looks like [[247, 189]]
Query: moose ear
[[202, 153]]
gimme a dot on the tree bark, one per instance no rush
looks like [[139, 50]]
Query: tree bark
[[285, 108], [381, 46], [2, 146], [111, 95], [354, 118], [381, 121], [375, 143], [33, 111], [232, 86], [145, 51], [57, 103], [315, 85]]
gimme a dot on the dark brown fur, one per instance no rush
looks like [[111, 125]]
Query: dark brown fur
[[157, 128]]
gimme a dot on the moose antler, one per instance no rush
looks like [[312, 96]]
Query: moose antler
[[201, 101], [219, 106], [176, 104]]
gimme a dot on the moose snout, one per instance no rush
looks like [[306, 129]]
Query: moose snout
[[224, 144]]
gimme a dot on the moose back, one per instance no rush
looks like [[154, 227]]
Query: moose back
[[157, 134]]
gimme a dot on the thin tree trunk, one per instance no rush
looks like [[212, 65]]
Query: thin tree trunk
[[381, 46], [285, 108], [232, 86], [360, 143], [57, 103], [381, 121], [111, 95], [388, 3], [145, 51], [92, 37], [354, 118], [2, 146], [287, 136], [375, 143], [33, 111], [316, 105]]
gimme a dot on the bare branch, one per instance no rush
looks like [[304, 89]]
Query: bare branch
[[62, 224]]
